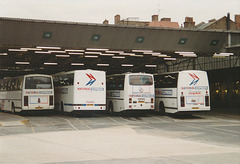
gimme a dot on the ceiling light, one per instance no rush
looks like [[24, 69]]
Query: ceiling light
[[136, 55], [96, 49], [107, 54], [104, 65], [118, 57], [229, 54], [159, 55], [143, 51], [178, 52], [23, 63], [115, 52], [42, 52], [63, 56], [31, 49], [95, 53], [169, 58], [127, 65], [58, 52], [77, 64], [75, 53], [90, 56], [53, 48], [219, 56], [163, 55], [50, 64], [126, 53], [188, 55], [151, 66], [222, 55], [17, 50], [3, 54], [74, 50], [152, 53]]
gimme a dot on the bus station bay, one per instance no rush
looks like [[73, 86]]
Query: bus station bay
[[49, 47], [114, 68]]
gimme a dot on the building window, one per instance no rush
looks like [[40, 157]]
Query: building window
[[139, 39], [96, 37], [214, 42], [47, 35], [182, 41]]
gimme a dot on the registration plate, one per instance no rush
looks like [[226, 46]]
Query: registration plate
[[89, 104], [38, 107], [195, 107], [140, 101]]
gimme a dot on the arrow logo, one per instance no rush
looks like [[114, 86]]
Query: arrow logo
[[195, 79], [92, 79]]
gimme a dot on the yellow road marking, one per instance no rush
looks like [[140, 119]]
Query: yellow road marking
[[25, 121]]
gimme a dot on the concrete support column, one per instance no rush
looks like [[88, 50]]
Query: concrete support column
[[194, 63]]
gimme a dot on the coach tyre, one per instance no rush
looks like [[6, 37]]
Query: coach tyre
[[62, 107], [110, 107], [13, 108], [161, 108]]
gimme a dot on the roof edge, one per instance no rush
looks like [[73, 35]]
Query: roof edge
[[112, 25]]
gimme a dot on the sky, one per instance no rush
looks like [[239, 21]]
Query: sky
[[96, 11]]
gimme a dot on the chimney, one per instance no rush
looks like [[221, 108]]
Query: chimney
[[212, 20], [105, 21], [189, 23], [117, 19], [237, 21], [155, 18], [228, 21], [166, 19]]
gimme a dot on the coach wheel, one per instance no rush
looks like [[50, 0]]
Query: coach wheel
[[110, 107], [13, 108], [62, 107], [161, 108]]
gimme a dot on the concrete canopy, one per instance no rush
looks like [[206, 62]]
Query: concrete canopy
[[70, 45]]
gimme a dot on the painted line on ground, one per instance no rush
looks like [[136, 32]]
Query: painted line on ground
[[84, 124]]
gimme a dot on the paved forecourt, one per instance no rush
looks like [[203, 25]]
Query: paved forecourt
[[101, 138]]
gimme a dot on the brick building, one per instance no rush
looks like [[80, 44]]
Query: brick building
[[128, 21], [189, 23], [164, 22], [224, 23]]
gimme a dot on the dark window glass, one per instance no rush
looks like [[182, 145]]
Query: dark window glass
[[166, 80], [63, 80], [38, 82], [140, 80], [115, 82]]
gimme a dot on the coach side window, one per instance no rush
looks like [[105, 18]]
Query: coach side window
[[166, 80], [56, 81], [120, 83], [1, 86], [66, 80], [111, 83], [115, 83], [9, 83], [12, 83]]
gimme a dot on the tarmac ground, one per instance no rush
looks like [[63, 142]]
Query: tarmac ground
[[142, 137]]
